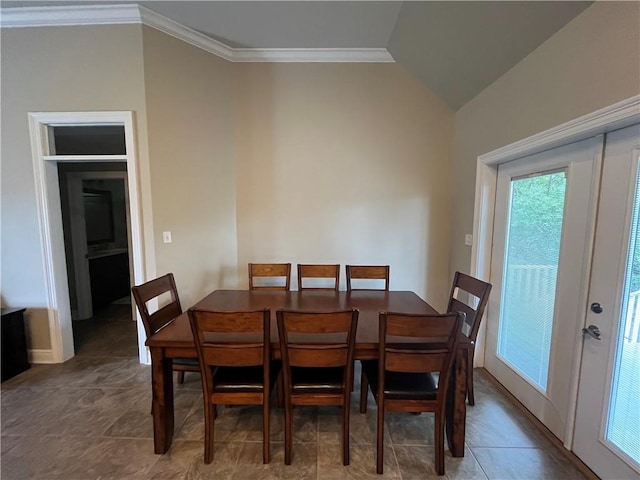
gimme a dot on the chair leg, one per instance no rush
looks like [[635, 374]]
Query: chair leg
[[345, 429], [180, 377], [364, 390], [279, 391], [470, 396], [353, 377], [265, 430], [380, 438], [209, 419], [288, 412], [439, 442]]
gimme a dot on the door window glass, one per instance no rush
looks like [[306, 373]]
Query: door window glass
[[623, 426], [532, 253]]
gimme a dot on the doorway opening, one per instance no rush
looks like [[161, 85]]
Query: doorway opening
[[94, 203], [104, 141]]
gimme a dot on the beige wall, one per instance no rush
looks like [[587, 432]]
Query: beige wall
[[344, 163], [54, 69], [594, 61], [298, 162], [189, 98]]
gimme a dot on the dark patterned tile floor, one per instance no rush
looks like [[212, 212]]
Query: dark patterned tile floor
[[89, 419]]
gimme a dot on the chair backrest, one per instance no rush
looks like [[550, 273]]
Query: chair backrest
[[317, 339], [368, 272], [231, 339], [151, 290], [319, 271], [271, 271], [465, 285], [419, 344]]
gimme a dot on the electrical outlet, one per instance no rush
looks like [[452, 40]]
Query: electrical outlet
[[468, 239], [166, 237]]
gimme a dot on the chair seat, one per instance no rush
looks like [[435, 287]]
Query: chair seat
[[236, 379], [401, 385], [321, 379], [187, 362]]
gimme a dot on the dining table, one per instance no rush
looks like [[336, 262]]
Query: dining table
[[175, 340]]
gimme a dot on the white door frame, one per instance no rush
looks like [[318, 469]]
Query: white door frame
[[613, 117], [50, 217]]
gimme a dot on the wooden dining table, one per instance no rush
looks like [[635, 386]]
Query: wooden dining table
[[176, 341]]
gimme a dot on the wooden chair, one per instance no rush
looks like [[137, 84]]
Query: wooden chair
[[368, 272], [153, 322], [401, 379], [464, 284], [317, 365], [235, 364], [319, 271], [269, 270]]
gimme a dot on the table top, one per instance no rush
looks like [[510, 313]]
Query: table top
[[370, 303]]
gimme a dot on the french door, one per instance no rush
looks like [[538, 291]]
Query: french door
[[607, 424], [545, 206]]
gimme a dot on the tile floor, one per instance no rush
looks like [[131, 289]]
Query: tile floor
[[89, 418]]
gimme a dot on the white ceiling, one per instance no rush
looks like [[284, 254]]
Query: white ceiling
[[455, 48]]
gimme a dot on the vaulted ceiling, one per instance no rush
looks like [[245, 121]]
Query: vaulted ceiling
[[455, 48]]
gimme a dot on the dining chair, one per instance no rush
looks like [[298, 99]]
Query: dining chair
[[319, 271], [317, 351], [475, 291], [159, 289], [410, 349], [368, 272], [235, 365], [365, 273], [269, 272]]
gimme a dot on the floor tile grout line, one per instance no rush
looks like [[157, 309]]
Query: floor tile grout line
[[507, 448], [477, 461]]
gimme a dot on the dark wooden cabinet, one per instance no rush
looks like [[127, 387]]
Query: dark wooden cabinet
[[14, 343], [109, 279]]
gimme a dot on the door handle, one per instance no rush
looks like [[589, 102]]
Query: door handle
[[592, 331]]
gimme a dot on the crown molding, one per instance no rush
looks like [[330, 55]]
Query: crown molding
[[69, 15], [184, 33], [320, 55], [16, 17]]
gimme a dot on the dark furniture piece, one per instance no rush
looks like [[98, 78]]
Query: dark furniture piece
[[165, 314], [176, 341], [14, 343], [271, 271], [402, 379], [475, 291], [367, 272], [109, 274], [317, 370], [234, 351], [319, 271]]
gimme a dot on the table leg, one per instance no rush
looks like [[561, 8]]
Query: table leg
[[162, 407], [456, 407]]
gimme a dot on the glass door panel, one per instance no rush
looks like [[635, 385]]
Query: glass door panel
[[607, 421], [532, 253], [542, 233], [623, 422]]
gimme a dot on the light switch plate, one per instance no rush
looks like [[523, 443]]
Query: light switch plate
[[468, 239], [166, 237]]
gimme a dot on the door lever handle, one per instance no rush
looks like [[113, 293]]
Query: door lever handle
[[592, 331]]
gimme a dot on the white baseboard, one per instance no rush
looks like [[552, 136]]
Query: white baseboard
[[40, 356]]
